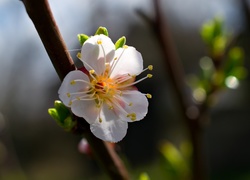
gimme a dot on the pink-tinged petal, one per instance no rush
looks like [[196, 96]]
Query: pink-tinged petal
[[129, 61], [86, 109], [75, 81], [133, 102], [111, 128], [94, 55]]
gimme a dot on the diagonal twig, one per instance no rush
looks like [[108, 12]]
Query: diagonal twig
[[40, 13]]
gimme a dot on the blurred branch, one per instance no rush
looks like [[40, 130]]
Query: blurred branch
[[189, 110], [246, 10], [41, 15]]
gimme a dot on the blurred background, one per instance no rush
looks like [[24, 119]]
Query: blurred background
[[34, 147]]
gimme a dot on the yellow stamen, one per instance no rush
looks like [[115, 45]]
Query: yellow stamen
[[99, 41], [72, 82], [92, 71], [68, 94], [132, 116], [149, 96], [150, 67], [79, 55], [149, 75]]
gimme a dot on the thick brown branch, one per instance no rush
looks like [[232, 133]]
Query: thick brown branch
[[41, 15]]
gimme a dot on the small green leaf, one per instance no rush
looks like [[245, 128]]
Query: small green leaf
[[236, 56], [62, 115], [144, 176], [219, 45], [82, 38], [120, 42], [218, 26], [62, 110], [68, 123], [178, 166], [102, 30], [212, 30], [207, 32], [53, 113], [234, 65]]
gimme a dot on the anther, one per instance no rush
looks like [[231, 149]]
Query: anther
[[92, 71], [149, 75], [100, 120], [130, 104], [133, 118], [125, 46], [70, 103], [149, 96], [150, 67], [79, 55], [99, 41], [72, 82], [68, 94]]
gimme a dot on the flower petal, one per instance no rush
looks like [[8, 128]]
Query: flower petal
[[111, 128], [133, 102], [94, 55], [129, 61], [86, 109], [68, 87]]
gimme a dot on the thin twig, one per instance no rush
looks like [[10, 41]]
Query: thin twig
[[40, 13], [189, 110]]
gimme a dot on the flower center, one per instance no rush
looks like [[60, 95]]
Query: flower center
[[103, 87]]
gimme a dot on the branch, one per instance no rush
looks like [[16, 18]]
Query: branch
[[190, 111], [41, 15]]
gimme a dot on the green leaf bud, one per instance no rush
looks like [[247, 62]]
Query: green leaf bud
[[82, 38], [68, 123], [236, 56], [53, 113], [207, 31], [219, 45], [62, 115], [102, 30], [120, 42], [144, 176], [63, 111], [211, 30]]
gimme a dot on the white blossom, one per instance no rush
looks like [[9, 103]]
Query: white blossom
[[105, 96]]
